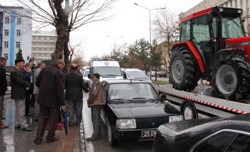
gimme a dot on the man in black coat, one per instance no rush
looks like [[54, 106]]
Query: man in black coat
[[74, 85], [27, 73], [19, 85], [50, 82], [3, 89]]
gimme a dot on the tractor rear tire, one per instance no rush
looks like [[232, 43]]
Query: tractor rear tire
[[183, 70], [230, 79]]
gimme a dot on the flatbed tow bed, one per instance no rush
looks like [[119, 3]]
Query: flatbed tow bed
[[193, 105]]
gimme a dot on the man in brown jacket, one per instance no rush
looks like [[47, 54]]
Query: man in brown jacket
[[97, 98], [50, 82]]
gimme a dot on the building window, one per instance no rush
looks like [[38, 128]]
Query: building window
[[18, 44], [18, 21], [5, 56], [6, 32], [7, 20], [18, 32], [6, 44]]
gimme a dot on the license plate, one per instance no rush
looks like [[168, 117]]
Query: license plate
[[148, 133]]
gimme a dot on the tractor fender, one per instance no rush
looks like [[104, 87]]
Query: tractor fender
[[222, 54], [193, 50]]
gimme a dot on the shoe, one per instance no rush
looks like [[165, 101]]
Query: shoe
[[37, 141], [28, 115], [17, 127], [3, 126], [27, 129], [52, 139], [93, 138]]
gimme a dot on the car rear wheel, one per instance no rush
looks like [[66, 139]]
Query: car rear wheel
[[112, 141], [230, 79]]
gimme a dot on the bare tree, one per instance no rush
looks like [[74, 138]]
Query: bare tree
[[166, 27], [66, 16]]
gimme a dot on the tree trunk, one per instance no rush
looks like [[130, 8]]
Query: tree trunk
[[61, 24]]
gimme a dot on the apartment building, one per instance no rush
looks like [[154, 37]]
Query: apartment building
[[15, 33], [243, 4], [43, 45]]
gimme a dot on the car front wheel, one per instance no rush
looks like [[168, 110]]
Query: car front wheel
[[112, 141]]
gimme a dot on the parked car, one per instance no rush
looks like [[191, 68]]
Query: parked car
[[205, 135], [134, 111], [86, 79], [133, 73]]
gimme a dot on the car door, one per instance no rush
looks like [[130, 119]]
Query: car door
[[224, 141]]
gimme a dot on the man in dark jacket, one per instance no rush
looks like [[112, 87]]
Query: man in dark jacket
[[27, 73], [50, 82], [18, 88], [74, 85], [3, 89]]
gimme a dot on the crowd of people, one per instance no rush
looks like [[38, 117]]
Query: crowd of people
[[50, 88]]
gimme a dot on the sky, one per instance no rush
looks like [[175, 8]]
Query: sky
[[128, 24]]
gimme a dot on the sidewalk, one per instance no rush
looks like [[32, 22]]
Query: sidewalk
[[12, 139]]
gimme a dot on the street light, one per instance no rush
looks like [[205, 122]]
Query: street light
[[149, 13]]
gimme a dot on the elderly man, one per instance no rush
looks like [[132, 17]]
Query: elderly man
[[3, 88], [51, 97]]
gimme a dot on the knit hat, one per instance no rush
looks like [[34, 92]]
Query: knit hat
[[19, 56]]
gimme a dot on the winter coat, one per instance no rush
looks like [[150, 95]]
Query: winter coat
[[74, 85], [18, 84], [36, 73], [3, 84], [97, 94], [50, 82]]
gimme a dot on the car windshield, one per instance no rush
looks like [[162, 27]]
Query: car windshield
[[131, 92], [108, 71], [136, 74]]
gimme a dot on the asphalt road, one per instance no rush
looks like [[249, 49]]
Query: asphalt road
[[102, 144]]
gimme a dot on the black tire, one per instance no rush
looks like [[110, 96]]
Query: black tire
[[230, 79], [112, 141], [188, 111], [183, 70]]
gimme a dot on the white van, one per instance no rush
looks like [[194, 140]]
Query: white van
[[106, 69]]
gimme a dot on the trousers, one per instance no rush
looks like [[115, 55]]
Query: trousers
[[75, 109], [48, 115], [96, 120], [20, 113], [1, 108]]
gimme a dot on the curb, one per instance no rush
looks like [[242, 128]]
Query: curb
[[82, 138]]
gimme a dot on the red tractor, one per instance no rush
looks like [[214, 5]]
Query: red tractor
[[213, 46]]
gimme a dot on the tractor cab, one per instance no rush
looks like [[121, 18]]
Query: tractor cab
[[210, 29]]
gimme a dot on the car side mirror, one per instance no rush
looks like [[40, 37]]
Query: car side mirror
[[124, 76], [163, 96]]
